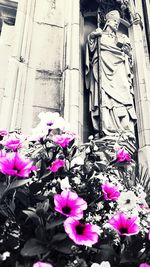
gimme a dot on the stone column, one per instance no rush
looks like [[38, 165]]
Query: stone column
[[17, 70], [73, 104], [142, 93], [6, 40], [46, 56], [8, 13]]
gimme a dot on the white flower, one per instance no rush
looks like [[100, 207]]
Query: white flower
[[95, 148], [97, 218], [52, 120], [5, 255], [127, 200], [64, 184], [100, 206], [88, 150], [141, 197], [95, 265], [91, 137], [38, 132], [53, 190], [103, 264], [77, 161], [148, 218], [77, 180]]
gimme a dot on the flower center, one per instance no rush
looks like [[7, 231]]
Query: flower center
[[50, 123], [66, 210], [80, 229], [16, 169], [128, 201], [1, 137], [123, 230]]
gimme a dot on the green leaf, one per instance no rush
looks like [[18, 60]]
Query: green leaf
[[32, 215], [18, 183], [32, 248], [64, 246], [54, 222], [59, 237]]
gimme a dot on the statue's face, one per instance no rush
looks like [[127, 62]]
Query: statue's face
[[114, 24]]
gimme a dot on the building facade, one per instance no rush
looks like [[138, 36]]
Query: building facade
[[42, 59]]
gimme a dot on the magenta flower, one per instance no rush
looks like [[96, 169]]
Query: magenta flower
[[69, 204], [110, 191], [56, 164], [81, 234], [41, 264], [13, 144], [14, 164], [123, 155], [2, 153], [124, 225], [64, 139], [144, 265], [2, 134]]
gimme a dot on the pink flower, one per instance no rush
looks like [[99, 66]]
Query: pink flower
[[14, 164], [2, 134], [149, 235], [41, 264], [64, 139], [2, 153], [13, 144], [124, 225], [110, 191], [81, 234], [56, 164], [123, 155], [69, 204], [144, 265]]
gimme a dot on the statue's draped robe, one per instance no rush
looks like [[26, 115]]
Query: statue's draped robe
[[118, 113]]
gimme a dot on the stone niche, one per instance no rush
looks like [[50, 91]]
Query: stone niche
[[89, 14], [137, 15]]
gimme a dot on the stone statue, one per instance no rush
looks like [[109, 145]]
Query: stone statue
[[118, 112]]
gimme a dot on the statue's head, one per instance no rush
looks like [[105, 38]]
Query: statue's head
[[113, 19]]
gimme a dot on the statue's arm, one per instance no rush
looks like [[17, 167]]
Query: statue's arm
[[91, 51], [92, 39]]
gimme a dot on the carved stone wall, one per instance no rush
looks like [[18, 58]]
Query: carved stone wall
[[34, 73]]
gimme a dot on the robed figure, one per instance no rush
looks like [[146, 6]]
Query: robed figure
[[117, 107]]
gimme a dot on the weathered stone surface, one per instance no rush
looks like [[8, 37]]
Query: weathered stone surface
[[47, 92], [75, 11], [1, 95], [74, 64], [5, 52], [50, 12], [47, 53], [6, 40]]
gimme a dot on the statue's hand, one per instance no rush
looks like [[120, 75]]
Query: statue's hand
[[97, 33]]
